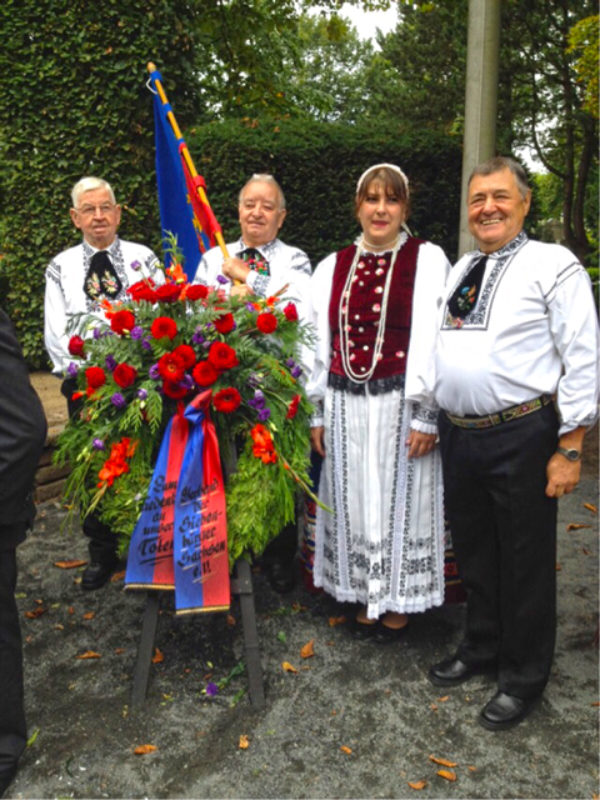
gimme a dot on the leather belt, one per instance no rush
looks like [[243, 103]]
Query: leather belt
[[514, 412]]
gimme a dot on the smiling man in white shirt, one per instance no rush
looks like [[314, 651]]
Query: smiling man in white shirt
[[517, 378]]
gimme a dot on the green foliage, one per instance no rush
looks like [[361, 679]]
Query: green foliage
[[73, 103], [583, 42], [318, 164]]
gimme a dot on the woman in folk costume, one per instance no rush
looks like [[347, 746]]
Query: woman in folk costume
[[374, 306]]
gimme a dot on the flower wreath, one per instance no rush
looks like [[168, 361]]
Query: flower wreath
[[146, 360]]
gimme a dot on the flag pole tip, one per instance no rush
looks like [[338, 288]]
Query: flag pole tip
[[151, 67]]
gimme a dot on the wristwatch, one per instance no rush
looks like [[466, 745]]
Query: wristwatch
[[570, 453]]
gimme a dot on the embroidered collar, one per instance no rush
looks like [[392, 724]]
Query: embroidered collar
[[265, 250], [508, 249]]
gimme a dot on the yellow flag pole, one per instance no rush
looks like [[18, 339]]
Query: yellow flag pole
[[185, 153]]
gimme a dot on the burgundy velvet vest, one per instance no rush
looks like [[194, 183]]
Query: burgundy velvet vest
[[366, 300]]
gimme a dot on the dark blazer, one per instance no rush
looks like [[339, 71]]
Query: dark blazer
[[22, 437]]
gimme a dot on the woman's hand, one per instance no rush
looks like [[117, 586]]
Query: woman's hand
[[317, 440], [419, 444]]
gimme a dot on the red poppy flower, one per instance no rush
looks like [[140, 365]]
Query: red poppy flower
[[225, 323], [227, 400], [186, 354], [95, 377], [76, 346], [124, 375], [174, 390], [122, 322], [143, 290], [266, 322], [196, 292], [222, 356], [163, 326], [204, 373], [171, 368], [168, 292], [291, 312]]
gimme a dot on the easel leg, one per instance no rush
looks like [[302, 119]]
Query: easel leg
[[243, 586], [145, 649]]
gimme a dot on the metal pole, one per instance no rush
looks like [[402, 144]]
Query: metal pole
[[481, 98]]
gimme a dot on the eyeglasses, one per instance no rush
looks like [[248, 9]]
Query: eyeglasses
[[89, 210]]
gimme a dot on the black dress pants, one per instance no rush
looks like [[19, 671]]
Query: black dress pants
[[13, 730], [102, 541], [504, 534]]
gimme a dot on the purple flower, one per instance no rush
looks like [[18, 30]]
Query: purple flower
[[296, 372], [136, 332], [154, 373], [253, 380], [206, 345], [72, 370], [290, 363], [96, 333], [197, 337], [135, 265], [208, 325], [98, 444], [264, 414], [188, 382], [146, 344], [142, 394], [222, 279], [250, 307], [110, 362], [118, 400], [212, 689], [258, 401]]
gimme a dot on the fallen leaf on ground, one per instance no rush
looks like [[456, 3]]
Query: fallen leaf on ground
[[443, 761], [347, 750], [597, 703], [433, 707], [71, 610], [72, 564], [585, 551], [144, 749], [118, 576], [576, 526], [471, 768], [158, 656], [308, 650], [37, 612], [119, 650], [333, 621], [89, 615], [444, 698], [591, 507], [558, 567], [244, 742], [447, 774], [417, 784], [230, 620], [288, 667], [89, 654]]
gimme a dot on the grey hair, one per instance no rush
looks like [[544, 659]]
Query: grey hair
[[89, 184], [498, 163], [263, 177]]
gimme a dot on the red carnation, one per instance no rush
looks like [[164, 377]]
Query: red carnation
[[222, 356], [76, 346], [171, 368], [95, 377], [227, 400], [204, 373], [196, 292], [174, 390], [293, 407], [225, 323], [186, 354], [266, 322], [168, 292], [124, 375], [122, 322], [163, 326], [291, 312], [143, 290]]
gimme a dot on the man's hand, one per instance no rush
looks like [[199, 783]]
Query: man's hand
[[419, 444], [240, 290], [317, 440], [235, 269], [563, 475]]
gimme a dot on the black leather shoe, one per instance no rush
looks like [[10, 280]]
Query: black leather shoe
[[505, 711], [385, 635], [96, 574], [453, 671], [363, 630], [6, 778], [281, 576]]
